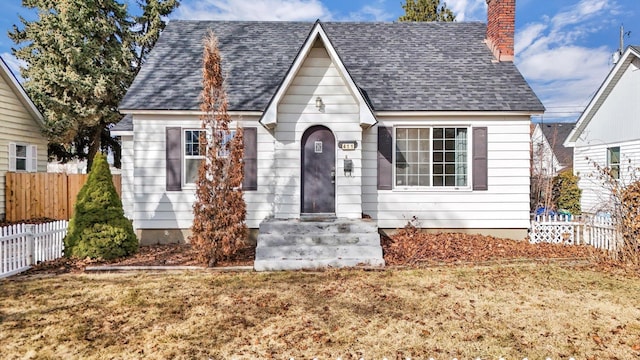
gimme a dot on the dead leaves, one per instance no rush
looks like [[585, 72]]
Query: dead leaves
[[411, 247]]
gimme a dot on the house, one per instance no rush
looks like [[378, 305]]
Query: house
[[341, 119], [23, 147], [549, 155], [607, 133]]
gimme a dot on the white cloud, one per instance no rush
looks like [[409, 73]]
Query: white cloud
[[564, 73], [14, 64], [468, 10], [267, 10], [371, 13]]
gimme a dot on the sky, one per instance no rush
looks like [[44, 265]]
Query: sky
[[563, 48]]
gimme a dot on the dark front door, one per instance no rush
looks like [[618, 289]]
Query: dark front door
[[318, 171]]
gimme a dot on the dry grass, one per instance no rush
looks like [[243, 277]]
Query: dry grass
[[533, 310]]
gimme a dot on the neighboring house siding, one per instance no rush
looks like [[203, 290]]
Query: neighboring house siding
[[297, 112], [505, 205], [544, 161], [615, 123], [618, 117], [595, 195], [17, 125]]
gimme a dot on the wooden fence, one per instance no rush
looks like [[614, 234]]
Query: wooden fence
[[51, 195]]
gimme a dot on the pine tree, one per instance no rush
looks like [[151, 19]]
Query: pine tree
[[149, 26], [426, 10], [98, 228], [219, 228], [81, 57]]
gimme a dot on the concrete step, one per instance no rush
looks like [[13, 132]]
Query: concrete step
[[361, 239], [311, 252], [295, 244], [271, 265], [338, 226]]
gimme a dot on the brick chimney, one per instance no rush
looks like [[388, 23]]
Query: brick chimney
[[501, 23]]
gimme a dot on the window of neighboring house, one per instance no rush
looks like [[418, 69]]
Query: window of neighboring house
[[431, 157], [613, 161], [193, 154], [23, 157]]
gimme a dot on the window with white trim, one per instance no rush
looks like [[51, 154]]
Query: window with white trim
[[613, 161], [193, 153], [431, 157], [23, 157]]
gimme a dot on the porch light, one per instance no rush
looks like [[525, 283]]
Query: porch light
[[319, 103]]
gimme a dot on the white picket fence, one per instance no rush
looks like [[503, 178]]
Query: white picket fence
[[597, 231], [23, 245]]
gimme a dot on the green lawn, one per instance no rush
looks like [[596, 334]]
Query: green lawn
[[529, 310]]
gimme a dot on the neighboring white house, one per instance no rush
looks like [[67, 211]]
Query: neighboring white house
[[607, 133], [23, 147], [389, 120], [549, 155]]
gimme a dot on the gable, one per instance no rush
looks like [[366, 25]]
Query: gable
[[614, 112], [617, 118], [320, 57], [14, 99], [395, 66], [318, 77]]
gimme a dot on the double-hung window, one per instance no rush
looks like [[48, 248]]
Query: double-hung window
[[431, 157], [23, 157], [193, 155], [194, 152], [613, 161]]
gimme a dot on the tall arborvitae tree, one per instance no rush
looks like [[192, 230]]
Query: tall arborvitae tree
[[219, 228], [81, 57], [426, 10]]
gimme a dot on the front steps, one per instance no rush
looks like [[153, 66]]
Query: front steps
[[317, 243]]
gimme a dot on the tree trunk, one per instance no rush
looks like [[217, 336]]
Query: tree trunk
[[93, 147]]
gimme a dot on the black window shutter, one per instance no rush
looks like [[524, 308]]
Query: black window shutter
[[250, 160], [174, 158], [480, 159], [385, 158]]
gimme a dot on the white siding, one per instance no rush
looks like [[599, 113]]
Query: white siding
[[127, 176], [505, 205], [616, 123], [151, 206], [595, 192], [17, 125], [297, 112], [618, 117], [544, 160]]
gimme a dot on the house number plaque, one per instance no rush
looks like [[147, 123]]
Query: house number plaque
[[318, 147]]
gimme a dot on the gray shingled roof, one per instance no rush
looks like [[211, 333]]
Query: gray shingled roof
[[636, 48], [125, 124], [399, 66], [556, 134]]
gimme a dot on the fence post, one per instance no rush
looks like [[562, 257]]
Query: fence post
[[31, 246]]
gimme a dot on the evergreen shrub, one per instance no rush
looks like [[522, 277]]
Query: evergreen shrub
[[99, 229]]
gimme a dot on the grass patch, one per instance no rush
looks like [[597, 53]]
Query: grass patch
[[532, 310]]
